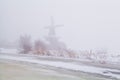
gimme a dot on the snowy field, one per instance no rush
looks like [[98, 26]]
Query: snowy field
[[16, 71], [112, 58], [113, 74], [22, 71], [10, 51]]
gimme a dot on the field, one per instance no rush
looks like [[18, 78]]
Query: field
[[10, 70]]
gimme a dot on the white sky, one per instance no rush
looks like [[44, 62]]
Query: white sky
[[88, 24]]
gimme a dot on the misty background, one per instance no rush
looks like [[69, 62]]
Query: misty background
[[88, 24]]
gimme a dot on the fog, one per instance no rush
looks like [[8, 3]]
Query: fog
[[88, 24]]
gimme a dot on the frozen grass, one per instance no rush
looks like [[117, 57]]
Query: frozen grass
[[15, 71]]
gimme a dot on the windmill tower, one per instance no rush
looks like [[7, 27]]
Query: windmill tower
[[52, 27], [52, 38]]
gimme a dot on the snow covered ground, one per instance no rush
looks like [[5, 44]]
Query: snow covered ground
[[11, 51], [114, 73], [65, 65], [111, 57]]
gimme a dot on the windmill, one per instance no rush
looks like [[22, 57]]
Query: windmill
[[52, 38], [54, 43], [52, 27]]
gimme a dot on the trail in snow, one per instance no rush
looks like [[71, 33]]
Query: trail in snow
[[65, 65]]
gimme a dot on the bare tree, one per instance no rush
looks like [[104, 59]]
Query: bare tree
[[25, 44]]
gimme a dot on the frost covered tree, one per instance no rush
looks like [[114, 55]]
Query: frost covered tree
[[25, 44], [39, 47], [101, 56]]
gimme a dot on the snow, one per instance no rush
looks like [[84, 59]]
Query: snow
[[114, 59], [66, 65], [11, 51]]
